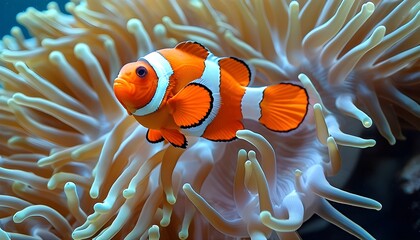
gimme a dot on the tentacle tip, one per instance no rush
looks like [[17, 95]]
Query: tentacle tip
[[102, 207], [43, 162], [20, 66], [19, 97], [302, 76], [55, 56], [10, 102], [367, 143], [380, 30], [15, 30], [76, 235], [69, 6], [367, 122], [391, 140], [294, 4], [94, 193], [80, 49], [166, 19], [154, 232], [129, 193], [369, 6], [18, 217], [248, 164], [265, 216], [378, 206], [372, 204], [13, 140], [159, 29], [242, 152], [52, 184], [183, 234], [91, 218], [241, 133], [133, 24], [164, 222], [228, 34], [372, 142], [186, 187], [69, 186], [75, 155], [170, 197], [252, 154], [317, 106]]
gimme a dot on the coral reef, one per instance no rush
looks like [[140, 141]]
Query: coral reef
[[75, 165]]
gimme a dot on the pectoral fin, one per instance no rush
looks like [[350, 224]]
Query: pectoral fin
[[192, 105], [154, 136], [174, 137]]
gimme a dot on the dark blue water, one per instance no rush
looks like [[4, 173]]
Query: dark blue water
[[9, 9]]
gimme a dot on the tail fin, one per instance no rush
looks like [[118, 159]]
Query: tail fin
[[283, 107]]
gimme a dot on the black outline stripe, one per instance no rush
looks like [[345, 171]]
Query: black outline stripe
[[184, 145], [223, 140], [304, 116], [208, 111]]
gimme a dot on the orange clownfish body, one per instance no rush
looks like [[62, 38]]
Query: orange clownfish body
[[187, 90]]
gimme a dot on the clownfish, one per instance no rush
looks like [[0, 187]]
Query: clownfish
[[188, 91]]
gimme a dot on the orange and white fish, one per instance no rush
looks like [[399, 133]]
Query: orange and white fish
[[187, 91]]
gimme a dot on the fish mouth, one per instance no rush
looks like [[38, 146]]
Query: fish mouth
[[120, 82], [125, 93], [123, 90], [124, 85]]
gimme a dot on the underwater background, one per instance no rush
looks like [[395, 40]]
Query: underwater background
[[377, 174], [9, 9]]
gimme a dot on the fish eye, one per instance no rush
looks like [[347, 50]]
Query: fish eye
[[141, 71]]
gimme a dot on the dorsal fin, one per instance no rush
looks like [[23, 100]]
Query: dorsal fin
[[194, 48], [237, 68]]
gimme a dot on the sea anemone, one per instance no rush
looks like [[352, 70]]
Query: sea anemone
[[75, 165]]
